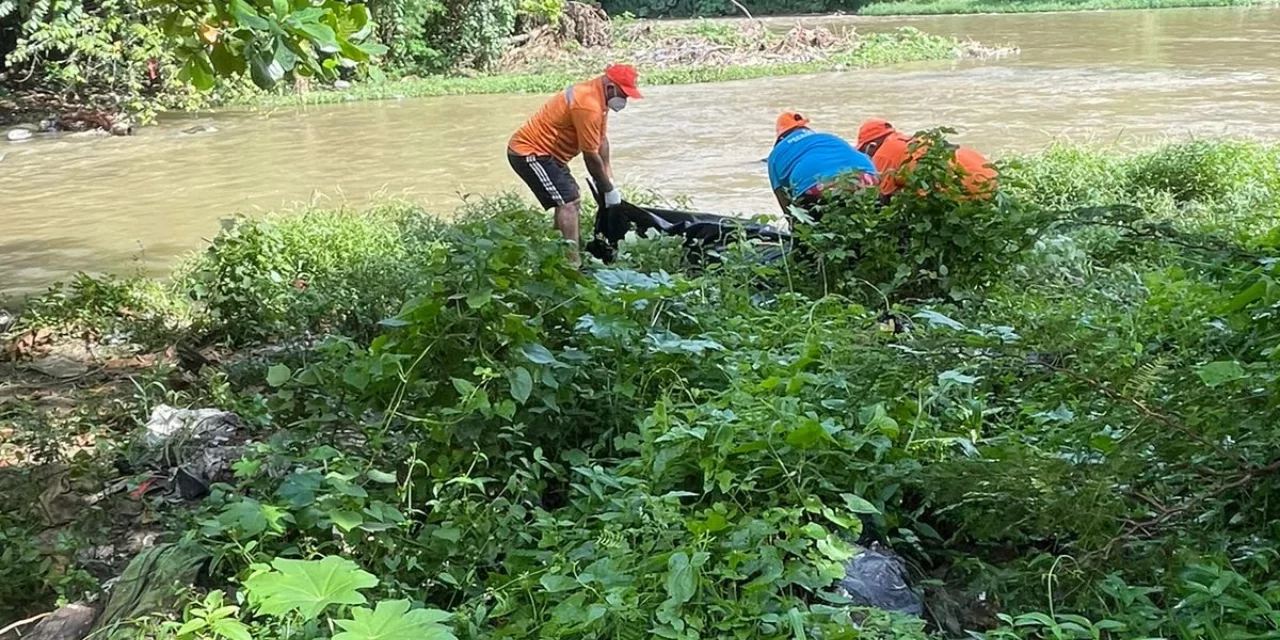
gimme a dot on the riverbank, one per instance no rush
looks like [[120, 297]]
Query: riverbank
[[451, 415], [664, 54], [959, 7]]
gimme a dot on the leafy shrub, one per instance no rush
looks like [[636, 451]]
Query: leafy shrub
[[316, 269], [96, 54], [614, 452], [1201, 170], [929, 240], [435, 36]]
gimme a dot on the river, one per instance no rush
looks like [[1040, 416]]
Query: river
[[1107, 78]]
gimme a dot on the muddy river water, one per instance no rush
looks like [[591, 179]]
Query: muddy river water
[[1105, 78]]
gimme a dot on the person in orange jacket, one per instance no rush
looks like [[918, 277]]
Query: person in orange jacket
[[891, 152], [573, 122]]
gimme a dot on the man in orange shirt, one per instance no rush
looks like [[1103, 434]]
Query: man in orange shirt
[[574, 122], [891, 153]]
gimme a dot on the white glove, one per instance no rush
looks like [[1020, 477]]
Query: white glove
[[612, 197]]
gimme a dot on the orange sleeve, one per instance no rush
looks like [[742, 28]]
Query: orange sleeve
[[589, 123]]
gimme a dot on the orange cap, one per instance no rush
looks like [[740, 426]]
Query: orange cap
[[625, 76], [788, 120], [873, 130]]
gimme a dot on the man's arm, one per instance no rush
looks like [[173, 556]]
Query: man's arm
[[595, 149], [604, 155], [598, 167]]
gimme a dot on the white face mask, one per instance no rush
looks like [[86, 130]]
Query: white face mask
[[617, 103]]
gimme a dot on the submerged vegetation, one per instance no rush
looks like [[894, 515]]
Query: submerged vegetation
[[1058, 406]]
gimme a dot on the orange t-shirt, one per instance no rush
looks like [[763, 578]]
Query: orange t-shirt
[[894, 154], [570, 123]]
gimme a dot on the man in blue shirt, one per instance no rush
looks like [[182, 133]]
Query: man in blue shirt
[[804, 162]]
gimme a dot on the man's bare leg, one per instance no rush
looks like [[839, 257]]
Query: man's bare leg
[[566, 221]]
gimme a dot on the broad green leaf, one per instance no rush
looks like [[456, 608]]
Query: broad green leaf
[[308, 586], [373, 49], [231, 629], [250, 517], [393, 620], [556, 583], [808, 435], [1247, 297], [956, 377], [464, 387], [278, 374], [323, 37], [381, 477], [199, 71], [346, 520], [858, 505], [263, 67], [682, 578], [299, 488], [452, 534], [358, 17], [538, 354], [938, 320], [475, 299], [356, 376], [1219, 373], [521, 384], [797, 624], [246, 16], [225, 63], [191, 626]]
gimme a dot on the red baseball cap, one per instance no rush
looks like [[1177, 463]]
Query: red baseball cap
[[625, 76]]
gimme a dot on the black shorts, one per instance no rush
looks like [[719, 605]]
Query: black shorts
[[549, 179]]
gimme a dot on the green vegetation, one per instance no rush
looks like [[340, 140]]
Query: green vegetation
[[938, 7], [1073, 439], [76, 67], [904, 45], [710, 8]]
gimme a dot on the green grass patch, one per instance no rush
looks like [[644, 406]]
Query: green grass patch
[[944, 7], [904, 45]]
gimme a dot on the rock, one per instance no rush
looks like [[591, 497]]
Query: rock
[[122, 127], [341, 85], [18, 135], [6, 319], [71, 622], [59, 366], [200, 128]]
